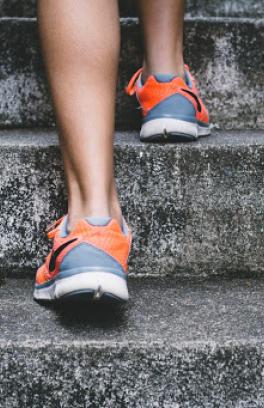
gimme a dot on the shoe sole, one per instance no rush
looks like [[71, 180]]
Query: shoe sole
[[85, 286], [172, 130]]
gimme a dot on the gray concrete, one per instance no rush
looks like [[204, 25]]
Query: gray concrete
[[195, 209], [224, 54], [228, 8], [177, 345]]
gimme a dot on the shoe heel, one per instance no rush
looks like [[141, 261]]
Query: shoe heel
[[98, 284]]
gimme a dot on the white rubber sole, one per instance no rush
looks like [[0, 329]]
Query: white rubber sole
[[98, 283], [165, 127]]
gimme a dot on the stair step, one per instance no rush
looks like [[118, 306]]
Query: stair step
[[195, 209], [218, 8], [174, 345], [225, 55]]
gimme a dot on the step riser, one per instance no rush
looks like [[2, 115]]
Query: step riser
[[194, 212], [231, 8], [151, 376], [225, 56]]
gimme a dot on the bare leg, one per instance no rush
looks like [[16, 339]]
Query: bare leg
[[162, 23], [81, 46]]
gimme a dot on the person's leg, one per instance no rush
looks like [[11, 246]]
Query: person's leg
[[80, 42], [162, 24], [171, 107]]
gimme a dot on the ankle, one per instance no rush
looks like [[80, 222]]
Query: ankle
[[107, 208], [83, 210], [115, 208], [176, 69], [116, 213]]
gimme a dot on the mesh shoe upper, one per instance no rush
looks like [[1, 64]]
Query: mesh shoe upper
[[106, 246], [153, 94]]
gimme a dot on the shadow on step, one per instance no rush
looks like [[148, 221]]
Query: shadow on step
[[77, 315]]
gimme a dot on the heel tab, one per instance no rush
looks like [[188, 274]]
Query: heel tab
[[131, 87], [52, 229]]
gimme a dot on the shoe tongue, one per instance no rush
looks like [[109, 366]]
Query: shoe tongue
[[98, 221], [63, 227], [164, 77]]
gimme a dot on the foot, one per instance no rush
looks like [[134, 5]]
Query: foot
[[90, 262], [172, 108]]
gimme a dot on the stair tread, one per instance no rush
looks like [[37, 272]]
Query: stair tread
[[159, 311], [174, 345], [48, 137]]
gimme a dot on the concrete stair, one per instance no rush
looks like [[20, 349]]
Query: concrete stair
[[196, 209], [176, 345], [192, 334], [227, 63]]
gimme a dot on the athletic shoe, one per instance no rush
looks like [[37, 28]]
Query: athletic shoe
[[88, 263], [172, 108]]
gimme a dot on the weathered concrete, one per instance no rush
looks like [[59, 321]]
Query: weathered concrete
[[195, 210], [227, 8], [224, 54], [175, 345]]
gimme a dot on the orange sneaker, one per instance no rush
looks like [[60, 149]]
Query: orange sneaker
[[172, 108], [90, 262]]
